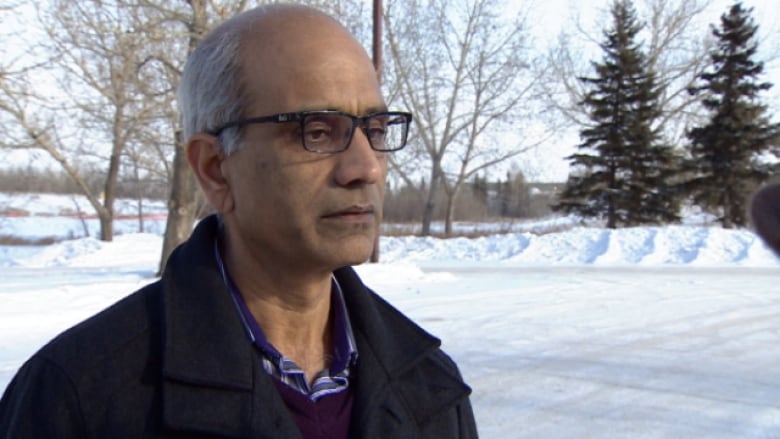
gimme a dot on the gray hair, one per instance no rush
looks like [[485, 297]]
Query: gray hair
[[211, 87], [211, 91]]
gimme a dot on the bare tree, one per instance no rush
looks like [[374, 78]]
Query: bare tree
[[464, 70], [26, 129], [92, 54], [185, 24], [102, 47], [116, 66], [120, 62]]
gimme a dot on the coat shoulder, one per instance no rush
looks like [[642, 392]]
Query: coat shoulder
[[102, 337], [95, 372]]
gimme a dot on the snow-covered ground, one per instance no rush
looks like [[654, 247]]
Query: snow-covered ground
[[656, 332]]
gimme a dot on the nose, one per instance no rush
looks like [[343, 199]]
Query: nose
[[359, 164]]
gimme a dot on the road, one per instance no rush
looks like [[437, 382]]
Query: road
[[605, 352]]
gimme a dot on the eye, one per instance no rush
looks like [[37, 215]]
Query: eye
[[377, 132], [317, 132], [377, 128]]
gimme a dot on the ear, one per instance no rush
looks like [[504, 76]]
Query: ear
[[205, 155]]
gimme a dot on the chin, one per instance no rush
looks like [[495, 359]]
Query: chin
[[354, 251]]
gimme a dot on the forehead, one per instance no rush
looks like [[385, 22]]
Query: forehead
[[307, 63]]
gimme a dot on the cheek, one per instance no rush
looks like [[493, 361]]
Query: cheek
[[265, 172], [253, 183], [383, 179], [290, 188], [262, 167]]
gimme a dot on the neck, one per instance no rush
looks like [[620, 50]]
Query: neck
[[302, 334], [292, 309]]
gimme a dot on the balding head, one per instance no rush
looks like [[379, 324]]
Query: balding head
[[274, 18], [278, 40]]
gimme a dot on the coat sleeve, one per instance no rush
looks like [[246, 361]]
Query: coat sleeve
[[40, 402]]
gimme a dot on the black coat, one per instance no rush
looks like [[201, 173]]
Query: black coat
[[173, 360]]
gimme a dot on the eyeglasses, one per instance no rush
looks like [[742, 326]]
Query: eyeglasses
[[331, 131]]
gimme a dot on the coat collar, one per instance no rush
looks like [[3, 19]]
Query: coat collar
[[204, 340], [395, 341], [214, 382], [403, 379]]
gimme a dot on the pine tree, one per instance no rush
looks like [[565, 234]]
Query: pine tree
[[504, 195], [724, 162], [622, 171], [480, 189]]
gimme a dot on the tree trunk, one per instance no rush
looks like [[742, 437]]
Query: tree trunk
[[139, 196], [181, 204], [450, 217], [106, 214], [430, 204], [141, 226], [82, 216], [106, 225], [377, 59], [611, 210], [728, 214]]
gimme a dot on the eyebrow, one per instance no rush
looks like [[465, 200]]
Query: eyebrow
[[381, 109], [369, 110]]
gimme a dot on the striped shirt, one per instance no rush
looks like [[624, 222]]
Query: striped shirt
[[328, 381]]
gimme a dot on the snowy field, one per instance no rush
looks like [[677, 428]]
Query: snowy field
[[669, 332]]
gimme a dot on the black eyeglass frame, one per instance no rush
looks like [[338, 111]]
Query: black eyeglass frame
[[301, 117]]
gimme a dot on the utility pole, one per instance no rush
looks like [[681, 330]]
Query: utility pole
[[377, 41], [377, 57]]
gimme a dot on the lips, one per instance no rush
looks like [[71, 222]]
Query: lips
[[352, 211], [358, 214]]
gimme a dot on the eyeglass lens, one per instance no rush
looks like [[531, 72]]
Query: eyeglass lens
[[333, 132]]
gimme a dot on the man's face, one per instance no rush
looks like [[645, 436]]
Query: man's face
[[296, 209]]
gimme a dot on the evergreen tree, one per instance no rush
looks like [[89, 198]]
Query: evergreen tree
[[724, 162], [518, 197], [622, 171], [480, 188], [504, 195]]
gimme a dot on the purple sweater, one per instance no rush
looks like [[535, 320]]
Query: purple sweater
[[326, 418]]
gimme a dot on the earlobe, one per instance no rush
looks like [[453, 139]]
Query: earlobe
[[205, 155]]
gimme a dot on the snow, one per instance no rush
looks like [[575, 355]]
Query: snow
[[652, 332]]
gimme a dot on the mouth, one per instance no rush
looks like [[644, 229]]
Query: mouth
[[352, 214]]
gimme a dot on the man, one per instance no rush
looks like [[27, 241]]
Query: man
[[258, 327], [765, 214]]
